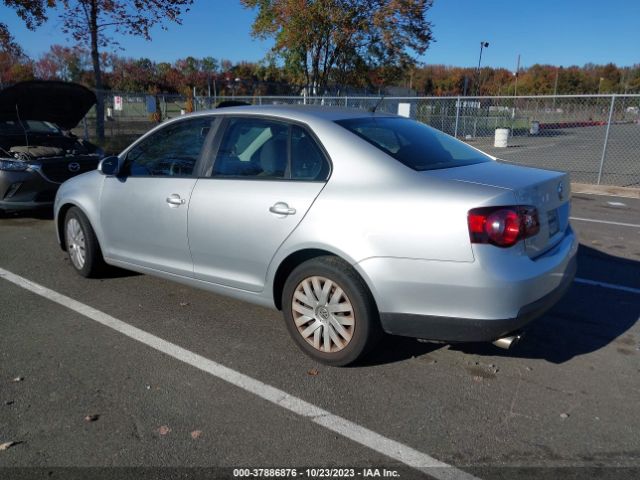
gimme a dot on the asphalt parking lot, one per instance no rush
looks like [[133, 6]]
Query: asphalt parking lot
[[75, 392], [577, 150]]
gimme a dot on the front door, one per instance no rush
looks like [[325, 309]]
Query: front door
[[144, 210]]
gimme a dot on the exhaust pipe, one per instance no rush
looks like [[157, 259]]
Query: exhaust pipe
[[508, 342]]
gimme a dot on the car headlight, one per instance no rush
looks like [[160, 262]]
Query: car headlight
[[13, 166]]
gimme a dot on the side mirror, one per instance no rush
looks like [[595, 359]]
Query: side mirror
[[109, 166]]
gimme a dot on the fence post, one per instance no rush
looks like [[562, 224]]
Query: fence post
[[455, 133], [606, 138], [346, 102]]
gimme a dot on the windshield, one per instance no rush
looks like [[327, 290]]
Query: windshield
[[414, 144], [13, 127]]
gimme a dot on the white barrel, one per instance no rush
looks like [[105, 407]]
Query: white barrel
[[502, 138], [109, 112], [535, 128]]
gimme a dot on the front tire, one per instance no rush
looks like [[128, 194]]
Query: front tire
[[329, 311], [82, 244]]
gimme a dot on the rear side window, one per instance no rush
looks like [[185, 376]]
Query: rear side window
[[253, 148], [307, 160], [414, 144], [267, 149]]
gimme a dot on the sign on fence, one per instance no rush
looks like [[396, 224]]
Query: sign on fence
[[404, 109], [117, 103]]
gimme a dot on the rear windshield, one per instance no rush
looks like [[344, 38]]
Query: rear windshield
[[413, 143]]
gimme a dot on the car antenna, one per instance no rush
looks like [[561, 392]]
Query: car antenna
[[375, 107], [24, 129]]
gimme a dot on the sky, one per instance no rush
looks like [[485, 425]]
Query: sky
[[557, 32]]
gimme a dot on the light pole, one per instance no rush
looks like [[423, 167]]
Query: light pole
[[483, 45], [600, 84], [555, 88], [517, 72]]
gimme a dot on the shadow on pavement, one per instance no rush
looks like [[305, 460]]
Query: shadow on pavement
[[393, 349], [35, 214], [587, 319]]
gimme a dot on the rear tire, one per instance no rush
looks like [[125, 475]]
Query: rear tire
[[82, 245], [329, 311]]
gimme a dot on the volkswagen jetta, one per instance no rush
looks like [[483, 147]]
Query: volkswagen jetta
[[352, 223]]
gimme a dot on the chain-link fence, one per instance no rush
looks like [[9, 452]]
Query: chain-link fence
[[596, 138]]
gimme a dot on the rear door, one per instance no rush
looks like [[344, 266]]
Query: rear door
[[264, 178], [144, 209]]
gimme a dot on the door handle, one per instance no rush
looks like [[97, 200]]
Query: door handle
[[281, 208], [174, 200]]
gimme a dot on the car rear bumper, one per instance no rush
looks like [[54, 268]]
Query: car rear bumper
[[452, 329], [469, 301]]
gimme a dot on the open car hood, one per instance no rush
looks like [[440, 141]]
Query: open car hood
[[62, 103]]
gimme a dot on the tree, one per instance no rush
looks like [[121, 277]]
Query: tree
[[326, 40], [12, 57], [89, 21], [62, 63], [209, 66]]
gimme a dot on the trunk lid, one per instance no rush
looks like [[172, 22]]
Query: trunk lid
[[547, 190]]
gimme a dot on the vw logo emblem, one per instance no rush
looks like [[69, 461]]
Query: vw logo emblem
[[560, 191], [73, 167]]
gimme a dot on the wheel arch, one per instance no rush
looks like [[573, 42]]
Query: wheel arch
[[291, 261], [61, 215]]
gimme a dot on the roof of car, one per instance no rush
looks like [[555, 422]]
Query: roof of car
[[302, 113]]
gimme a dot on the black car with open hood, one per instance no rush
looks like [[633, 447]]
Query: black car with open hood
[[37, 150]]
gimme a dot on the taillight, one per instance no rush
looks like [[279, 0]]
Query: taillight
[[503, 226]]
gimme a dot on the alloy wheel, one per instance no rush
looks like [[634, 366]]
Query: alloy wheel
[[76, 245]]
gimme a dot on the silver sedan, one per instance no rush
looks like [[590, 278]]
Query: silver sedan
[[351, 223]]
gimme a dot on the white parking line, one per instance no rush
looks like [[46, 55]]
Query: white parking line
[[368, 438], [606, 222], [612, 286]]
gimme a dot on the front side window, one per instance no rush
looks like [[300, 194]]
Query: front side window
[[171, 151], [414, 144]]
